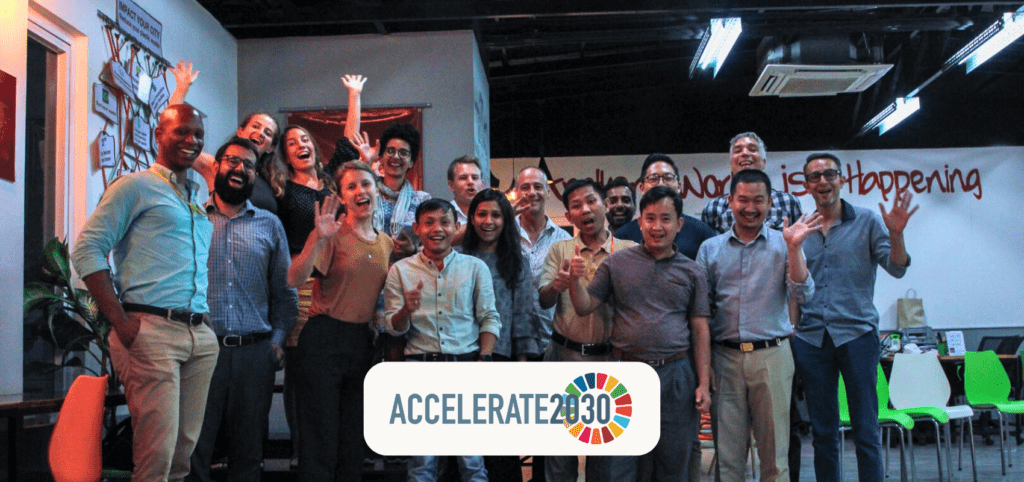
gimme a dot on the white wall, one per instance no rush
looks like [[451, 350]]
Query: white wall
[[402, 69], [189, 32], [962, 241]]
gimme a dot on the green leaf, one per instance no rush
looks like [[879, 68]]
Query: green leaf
[[56, 255], [39, 295]]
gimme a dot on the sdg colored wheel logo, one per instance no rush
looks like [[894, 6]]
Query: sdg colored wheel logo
[[596, 408]]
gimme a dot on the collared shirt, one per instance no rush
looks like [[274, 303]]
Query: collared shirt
[[688, 239], [160, 240], [249, 263], [459, 215], [597, 326], [843, 265], [749, 286], [457, 303], [718, 215], [537, 253], [654, 300]]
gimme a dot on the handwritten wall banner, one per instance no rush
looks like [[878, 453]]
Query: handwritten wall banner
[[140, 24]]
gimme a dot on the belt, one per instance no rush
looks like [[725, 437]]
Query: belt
[[186, 317], [442, 357], [582, 348], [654, 363], [751, 345], [242, 340]]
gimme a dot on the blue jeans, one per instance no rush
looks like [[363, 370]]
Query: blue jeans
[[670, 458], [820, 367], [423, 468]]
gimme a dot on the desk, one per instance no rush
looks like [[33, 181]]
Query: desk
[[15, 408]]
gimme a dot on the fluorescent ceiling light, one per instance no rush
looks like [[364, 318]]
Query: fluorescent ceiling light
[[716, 44], [901, 109], [990, 42]]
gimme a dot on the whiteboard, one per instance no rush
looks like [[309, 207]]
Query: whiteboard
[[964, 241]]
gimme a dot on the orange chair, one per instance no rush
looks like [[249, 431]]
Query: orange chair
[[75, 453]]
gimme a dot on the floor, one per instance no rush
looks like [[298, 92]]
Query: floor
[[987, 455]]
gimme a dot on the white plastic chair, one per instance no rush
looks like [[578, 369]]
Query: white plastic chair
[[918, 381]]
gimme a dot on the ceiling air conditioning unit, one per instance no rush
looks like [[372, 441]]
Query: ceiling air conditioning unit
[[813, 66]]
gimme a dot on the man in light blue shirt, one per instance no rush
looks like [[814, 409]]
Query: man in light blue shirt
[[252, 308], [444, 301], [838, 329], [162, 345], [753, 272]]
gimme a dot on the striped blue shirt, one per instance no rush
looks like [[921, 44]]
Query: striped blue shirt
[[249, 262]]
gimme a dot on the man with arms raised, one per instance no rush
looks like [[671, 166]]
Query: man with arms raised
[[162, 345], [753, 272], [578, 338], [661, 170], [747, 151], [838, 329], [659, 327]]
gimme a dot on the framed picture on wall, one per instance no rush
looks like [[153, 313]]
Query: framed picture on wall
[[8, 97]]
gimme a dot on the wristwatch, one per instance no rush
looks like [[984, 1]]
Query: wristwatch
[[486, 358]]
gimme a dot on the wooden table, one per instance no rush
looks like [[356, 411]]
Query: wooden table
[[16, 407]]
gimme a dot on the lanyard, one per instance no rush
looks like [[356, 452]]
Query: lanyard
[[195, 208]]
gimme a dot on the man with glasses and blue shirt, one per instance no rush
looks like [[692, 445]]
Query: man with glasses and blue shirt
[[252, 308], [161, 342], [747, 151], [661, 170], [838, 328]]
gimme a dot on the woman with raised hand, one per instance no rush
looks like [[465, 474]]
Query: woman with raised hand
[[349, 260], [258, 127]]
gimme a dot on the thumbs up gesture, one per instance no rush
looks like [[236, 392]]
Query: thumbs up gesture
[[563, 278], [413, 298], [578, 265]]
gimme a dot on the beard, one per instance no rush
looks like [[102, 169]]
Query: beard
[[232, 195]]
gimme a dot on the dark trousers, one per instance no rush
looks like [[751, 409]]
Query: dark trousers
[[333, 358], [238, 404]]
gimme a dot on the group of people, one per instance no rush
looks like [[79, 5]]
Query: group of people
[[300, 263]]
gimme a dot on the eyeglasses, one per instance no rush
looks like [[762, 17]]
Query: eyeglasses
[[656, 178], [829, 175], [234, 161], [402, 153]]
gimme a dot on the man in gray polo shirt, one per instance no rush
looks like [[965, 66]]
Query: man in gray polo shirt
[[753, 272], [838, 330], [654, 326]]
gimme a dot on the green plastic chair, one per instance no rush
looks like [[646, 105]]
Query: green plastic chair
[[887, 418], [988, 388]]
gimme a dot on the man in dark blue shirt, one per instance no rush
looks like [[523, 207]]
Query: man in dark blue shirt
[[838, 328], [661, 170]]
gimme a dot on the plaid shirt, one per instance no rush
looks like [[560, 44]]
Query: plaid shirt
[[718, 215], [249, 262]]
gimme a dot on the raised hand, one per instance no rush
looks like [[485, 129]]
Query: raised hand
[[896, 220], [361, 142], [563, 278], [413, 298], [183, 73], [522, 205], [578, 265], [797, 233], [325, 222], [353, 82]]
